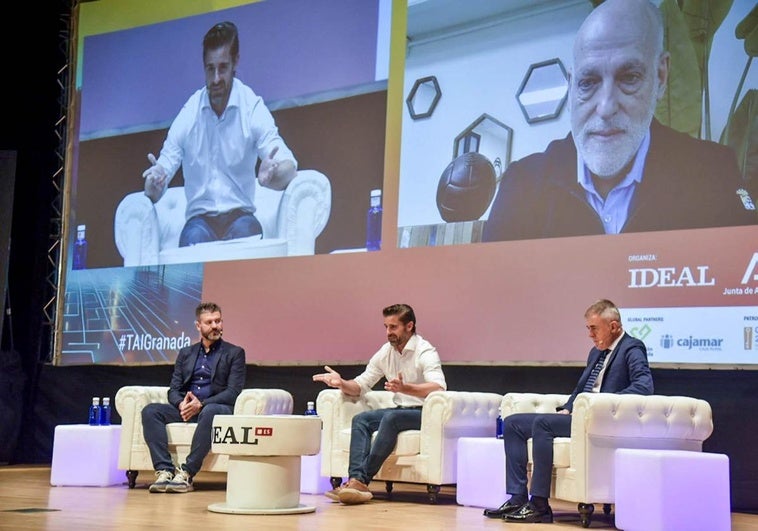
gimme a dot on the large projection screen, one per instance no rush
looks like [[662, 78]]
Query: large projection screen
[[385, 94]]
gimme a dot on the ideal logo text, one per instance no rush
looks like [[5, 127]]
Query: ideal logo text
[[670, 277]]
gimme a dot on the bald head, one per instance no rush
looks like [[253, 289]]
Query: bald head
[[615, 21]]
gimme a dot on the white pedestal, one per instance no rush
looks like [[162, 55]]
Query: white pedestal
[[86, 456], [264, 461], [311, 480], [671, 489], [480, 472]]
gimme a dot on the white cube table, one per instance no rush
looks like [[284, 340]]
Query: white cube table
[[311, 480], [86, 456], [480, 472], [263, 475], [671, 489]]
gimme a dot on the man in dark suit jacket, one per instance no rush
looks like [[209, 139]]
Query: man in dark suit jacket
[[616, 364], [208, 376], [619, 170]]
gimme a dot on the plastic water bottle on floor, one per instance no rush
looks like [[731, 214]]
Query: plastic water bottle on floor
[[310, 409]]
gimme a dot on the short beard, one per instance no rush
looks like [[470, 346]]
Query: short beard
[[607, 163]]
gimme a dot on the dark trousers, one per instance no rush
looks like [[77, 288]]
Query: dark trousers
[[366, 459], [154, 420], [542, 428]]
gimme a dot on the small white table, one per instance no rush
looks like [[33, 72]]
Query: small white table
[[263, 476], [86, 456], [656, 490], [480, 472]]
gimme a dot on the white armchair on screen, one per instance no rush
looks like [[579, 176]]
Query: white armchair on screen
[[133, 454], [148, 234], [601, 423], [428, 455]]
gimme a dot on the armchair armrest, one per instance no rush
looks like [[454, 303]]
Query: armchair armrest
[[130, 401], [461, 413], [614, 416], [263, 402], [447, 416], [531, 403], [304, 211], [135, 229]]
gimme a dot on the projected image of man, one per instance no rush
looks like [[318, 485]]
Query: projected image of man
[[619, 170], [218, 138]]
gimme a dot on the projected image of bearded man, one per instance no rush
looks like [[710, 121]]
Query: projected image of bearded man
[[220, 135], [620, 169]]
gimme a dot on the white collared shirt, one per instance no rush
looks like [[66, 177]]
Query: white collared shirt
[[614, 209], [612, 348], [418, 363], [218, 155]]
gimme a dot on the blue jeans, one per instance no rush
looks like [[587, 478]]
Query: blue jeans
[[224, 226], [365, 458], [542, 428], [154, 420]]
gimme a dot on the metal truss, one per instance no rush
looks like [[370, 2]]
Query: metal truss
[[55, 250]]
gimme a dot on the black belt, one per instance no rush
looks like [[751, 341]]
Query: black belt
[[409, 407]]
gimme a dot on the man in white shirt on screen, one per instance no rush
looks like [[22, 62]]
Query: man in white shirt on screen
[[412, 369], [218, 138]]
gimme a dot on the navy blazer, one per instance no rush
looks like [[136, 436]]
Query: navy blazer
[[626, 373], [228, 373], [687, 184]]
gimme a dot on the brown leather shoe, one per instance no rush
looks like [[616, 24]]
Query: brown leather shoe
[[354, 492], [334, 494]]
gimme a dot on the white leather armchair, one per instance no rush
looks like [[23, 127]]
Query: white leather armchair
[[148, 234], [425, 456], [583, 464], [134, 455]]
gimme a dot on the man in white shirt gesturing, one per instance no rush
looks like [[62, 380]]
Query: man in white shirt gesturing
[[413, 369]]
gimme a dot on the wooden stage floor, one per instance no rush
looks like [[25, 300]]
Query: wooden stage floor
[[28, 502]]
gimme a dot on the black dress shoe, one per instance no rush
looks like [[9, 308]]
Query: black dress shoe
[[507, 508], [527, 514]]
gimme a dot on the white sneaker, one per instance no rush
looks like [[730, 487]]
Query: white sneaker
[[163, 478], [182, 482]]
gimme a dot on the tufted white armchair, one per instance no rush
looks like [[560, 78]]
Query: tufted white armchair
[[583, 464], [148, 234], [133, 454], [424, 456]]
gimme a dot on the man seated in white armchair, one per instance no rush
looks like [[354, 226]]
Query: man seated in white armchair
[[207, 379], [217, 138], [413, 370], [616, 364]]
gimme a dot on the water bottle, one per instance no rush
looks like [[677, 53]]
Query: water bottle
[[310, 409], [499, 427], [105, 412], [374, 222], [94, 412], [80, 248]]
